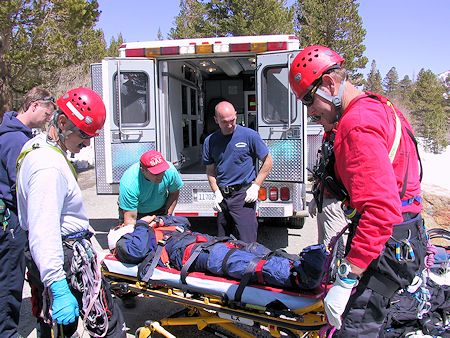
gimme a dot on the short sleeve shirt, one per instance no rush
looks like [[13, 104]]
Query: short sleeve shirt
[[234, 155], [138, 193]]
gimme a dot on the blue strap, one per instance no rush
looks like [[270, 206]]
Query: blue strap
[[411, 200]]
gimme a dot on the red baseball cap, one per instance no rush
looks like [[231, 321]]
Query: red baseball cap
[[154, 162]]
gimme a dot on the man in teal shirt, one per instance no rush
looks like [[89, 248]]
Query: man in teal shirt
[[150, 187]]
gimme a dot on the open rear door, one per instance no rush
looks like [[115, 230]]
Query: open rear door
[[281, 118], [128, 88]]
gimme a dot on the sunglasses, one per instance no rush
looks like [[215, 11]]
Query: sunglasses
[[82, 134], [48, 99], [308, 99]]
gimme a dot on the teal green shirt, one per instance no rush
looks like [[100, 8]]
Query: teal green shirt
[[138, 193]]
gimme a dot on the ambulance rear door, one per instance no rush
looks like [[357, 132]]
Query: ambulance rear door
[[131, 127], [281, 118]]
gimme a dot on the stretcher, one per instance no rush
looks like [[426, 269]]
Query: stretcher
[[210, 300]]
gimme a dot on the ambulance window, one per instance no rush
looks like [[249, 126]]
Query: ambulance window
[[189, 110], [134, 96], [275, 96]]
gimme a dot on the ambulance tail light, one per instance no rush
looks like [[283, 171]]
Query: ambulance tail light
[[273, 194], [285, 194], [262, 194]]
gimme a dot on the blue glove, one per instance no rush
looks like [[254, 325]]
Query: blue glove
[[64, 306]]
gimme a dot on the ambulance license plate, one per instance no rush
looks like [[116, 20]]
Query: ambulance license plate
[[205, 196]]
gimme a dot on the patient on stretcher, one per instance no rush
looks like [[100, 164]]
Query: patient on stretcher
[[167, 241]]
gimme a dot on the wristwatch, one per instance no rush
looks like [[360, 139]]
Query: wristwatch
[[345, 271]]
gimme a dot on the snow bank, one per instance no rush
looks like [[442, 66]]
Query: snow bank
[[436, 172]]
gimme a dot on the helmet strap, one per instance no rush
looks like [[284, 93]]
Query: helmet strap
[[61, 135], [336, 101]]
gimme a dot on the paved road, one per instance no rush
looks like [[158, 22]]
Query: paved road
[[102, 210]]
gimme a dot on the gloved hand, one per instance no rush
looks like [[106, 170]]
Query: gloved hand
[[337, 299], [64, 305], [217, 200], [312, 208], [252, 193]]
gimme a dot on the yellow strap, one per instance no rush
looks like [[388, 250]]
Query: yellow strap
[[398, 133], [36, 146]]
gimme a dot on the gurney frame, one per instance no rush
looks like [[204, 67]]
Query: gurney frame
[[204, 310]]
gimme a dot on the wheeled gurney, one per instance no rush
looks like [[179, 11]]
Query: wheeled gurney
[[212, 300]]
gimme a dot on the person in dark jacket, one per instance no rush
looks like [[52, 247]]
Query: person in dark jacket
[[16, 129]]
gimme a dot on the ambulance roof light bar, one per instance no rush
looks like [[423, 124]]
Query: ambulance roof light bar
[[240, 44]]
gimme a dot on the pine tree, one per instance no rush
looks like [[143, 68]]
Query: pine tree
[[404, 92], [428, 109], [335, 24], [192, 21], [232, 18], [373, 82], [251, 17], [113, 49], [390, 83], [159, 35], [42, 37]]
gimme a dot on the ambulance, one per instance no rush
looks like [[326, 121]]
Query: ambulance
[[161, 95]]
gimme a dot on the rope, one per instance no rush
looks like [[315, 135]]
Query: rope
[[86, 278]]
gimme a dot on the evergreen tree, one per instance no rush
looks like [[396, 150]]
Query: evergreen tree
[[113, 49], [405, 89], [41, 37], [232, 18], [251, 17], [428, 109], [159, 35], [192, 21], [335, 24], [390, 83], [373, 82]]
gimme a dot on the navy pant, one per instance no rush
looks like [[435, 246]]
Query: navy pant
[[237, 217], [12, 274]]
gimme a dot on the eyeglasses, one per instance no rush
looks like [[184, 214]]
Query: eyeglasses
[[308, 99]]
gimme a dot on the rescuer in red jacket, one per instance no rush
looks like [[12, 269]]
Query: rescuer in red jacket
[[373, 167]]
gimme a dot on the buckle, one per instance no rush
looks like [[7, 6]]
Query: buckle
[[226, 190]]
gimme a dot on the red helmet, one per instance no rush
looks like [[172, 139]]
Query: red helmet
[[85, 108], [309, 65]]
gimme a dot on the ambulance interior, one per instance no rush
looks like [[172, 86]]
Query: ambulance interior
[[195, 86]]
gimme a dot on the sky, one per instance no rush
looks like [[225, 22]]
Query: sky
[[406, 34]]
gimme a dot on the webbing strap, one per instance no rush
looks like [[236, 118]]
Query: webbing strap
[[246, 278], [154, 262], [398, 133], [225, 260], [37, 146], [187, 265]]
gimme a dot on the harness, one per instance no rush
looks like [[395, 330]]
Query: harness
[[325, 177], [399, 250], [35, 146]]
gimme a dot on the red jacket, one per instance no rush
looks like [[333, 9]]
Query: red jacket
[[364, 138]]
